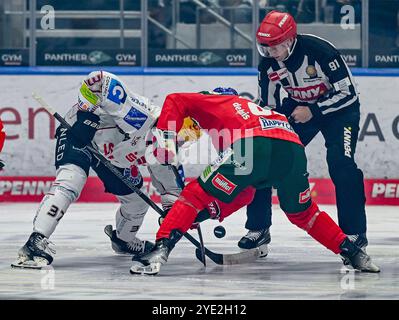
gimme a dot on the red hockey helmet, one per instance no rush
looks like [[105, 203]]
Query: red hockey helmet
[[275, 28]]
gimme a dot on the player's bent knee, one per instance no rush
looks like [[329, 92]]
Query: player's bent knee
[[320, 226], [194, 195], [70, 181]]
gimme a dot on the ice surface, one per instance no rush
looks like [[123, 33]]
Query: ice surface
[[297, 267]]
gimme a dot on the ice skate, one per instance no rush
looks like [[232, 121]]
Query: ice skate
[[256, 239], [151, 263], [35, 254], [359, 240], [134, 247], [354, 256]]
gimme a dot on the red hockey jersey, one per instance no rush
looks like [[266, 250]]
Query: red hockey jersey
[[226, 118]]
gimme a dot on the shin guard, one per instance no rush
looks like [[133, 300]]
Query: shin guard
[[319, 226]]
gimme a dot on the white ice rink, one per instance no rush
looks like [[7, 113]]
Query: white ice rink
[[297, 267]]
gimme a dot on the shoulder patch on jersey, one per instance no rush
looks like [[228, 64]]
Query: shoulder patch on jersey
[[267, 124], [135, 118], [116, 92]]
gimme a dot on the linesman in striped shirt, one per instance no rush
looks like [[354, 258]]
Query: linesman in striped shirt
[[305, 78]]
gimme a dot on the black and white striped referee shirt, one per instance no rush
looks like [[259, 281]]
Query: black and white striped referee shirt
[[314, 75]]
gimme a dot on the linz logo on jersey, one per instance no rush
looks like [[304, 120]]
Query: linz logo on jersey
[[135, 118], [267, 124], [309, 93], [222, 183], [304, 196]]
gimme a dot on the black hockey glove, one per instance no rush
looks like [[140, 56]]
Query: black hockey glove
[[84, 129]]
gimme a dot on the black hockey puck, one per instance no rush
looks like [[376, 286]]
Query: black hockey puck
[[219, 232]]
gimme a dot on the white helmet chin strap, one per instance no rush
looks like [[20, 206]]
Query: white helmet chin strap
[[290, 49]]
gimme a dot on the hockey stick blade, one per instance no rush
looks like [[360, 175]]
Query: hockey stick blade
[[231, 259]]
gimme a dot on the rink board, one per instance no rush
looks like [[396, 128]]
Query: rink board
[[32, 189], [29, 148]]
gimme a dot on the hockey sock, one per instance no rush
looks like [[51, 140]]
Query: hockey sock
[[319, 226], [183, 213], [130, 216]]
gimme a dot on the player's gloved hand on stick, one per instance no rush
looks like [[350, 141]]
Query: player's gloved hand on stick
[[84, 129]]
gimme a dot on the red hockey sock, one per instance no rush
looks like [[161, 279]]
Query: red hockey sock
[[184, 211], [244, 198], [319, 226]]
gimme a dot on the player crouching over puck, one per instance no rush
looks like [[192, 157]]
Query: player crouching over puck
[[117, 122], [260, 149]]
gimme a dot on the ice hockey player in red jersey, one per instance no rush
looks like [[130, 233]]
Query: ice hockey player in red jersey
[[258, 148]]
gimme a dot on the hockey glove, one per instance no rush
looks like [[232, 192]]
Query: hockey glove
[[84, 129]]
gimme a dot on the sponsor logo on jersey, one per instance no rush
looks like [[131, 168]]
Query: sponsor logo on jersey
[[135, 100], [278, 75], [222, 158], [347, 141], [214, 210], [133, 175], [304, 196], [135, 118], [206, 173], [222, 183], [240, 111], [116, 92], [311, 71], [267, 124], [311, 93]]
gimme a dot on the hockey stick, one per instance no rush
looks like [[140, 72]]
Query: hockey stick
[[181, 184], [215, 257]]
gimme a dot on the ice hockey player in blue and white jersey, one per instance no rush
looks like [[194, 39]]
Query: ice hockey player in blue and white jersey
[[118, 123]]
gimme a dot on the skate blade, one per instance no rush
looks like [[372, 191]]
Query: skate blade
[[36, 264], [263, 250], [372, 268], [151, 269], [108, 230]]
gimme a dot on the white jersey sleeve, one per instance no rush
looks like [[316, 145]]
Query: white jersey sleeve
[[125, 117]]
